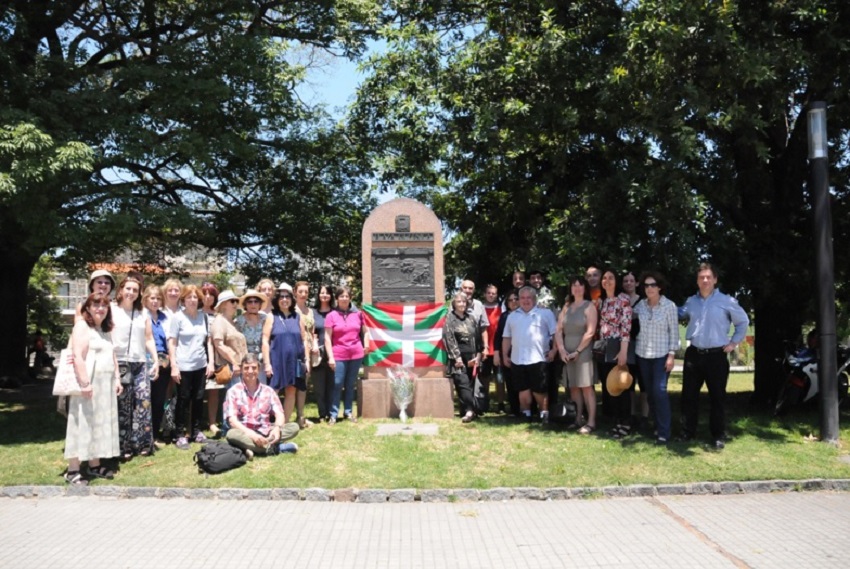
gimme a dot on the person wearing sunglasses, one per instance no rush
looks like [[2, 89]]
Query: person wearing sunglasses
[[230, 348], [656, 345], [250, 323]]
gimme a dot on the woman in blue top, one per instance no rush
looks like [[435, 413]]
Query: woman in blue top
[[285, 352], [152, 299]]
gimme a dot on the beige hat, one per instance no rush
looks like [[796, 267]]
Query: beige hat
[[619, 379], [251, 293], [226, 296], [101, 273], [286, 287]]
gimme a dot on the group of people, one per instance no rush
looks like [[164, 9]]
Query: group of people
[[160, 348], [607, 321]]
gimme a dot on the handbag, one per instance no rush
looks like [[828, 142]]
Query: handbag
[[125, 373], [316, 356], [65, 382], [600, 349], [223, 374]]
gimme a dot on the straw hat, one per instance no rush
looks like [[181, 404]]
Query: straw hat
[[619, 379], [251, 293], [226, 296]]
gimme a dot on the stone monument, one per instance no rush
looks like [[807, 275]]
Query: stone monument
[[402, 244]]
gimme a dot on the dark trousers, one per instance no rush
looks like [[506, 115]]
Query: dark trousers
[[464, 385], [554, 370], [159, 390], [322, 378], [510, 388], [619, 407], [712, 369], [190, 396]]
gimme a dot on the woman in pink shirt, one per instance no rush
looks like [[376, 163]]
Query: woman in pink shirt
[[343, 327]]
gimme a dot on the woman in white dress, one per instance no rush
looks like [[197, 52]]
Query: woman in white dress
[[92, 431]]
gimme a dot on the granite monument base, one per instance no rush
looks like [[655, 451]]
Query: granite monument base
[[432, 397]]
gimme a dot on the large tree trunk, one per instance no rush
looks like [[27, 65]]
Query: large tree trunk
[[16, 267], [773, 328]]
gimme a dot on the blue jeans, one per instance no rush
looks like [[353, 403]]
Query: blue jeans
[[655, 378], [345, 374]]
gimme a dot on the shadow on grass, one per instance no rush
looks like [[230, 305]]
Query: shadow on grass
[[28, 415]]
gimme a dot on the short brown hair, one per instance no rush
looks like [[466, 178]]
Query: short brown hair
[[98, 298], [707, 267], [189, 289]]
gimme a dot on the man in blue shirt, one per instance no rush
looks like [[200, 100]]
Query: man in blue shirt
[[709, 314]]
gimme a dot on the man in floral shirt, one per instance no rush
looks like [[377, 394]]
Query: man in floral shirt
[[255, 415]]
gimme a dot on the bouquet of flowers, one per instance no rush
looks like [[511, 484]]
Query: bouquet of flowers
[[401, 383]]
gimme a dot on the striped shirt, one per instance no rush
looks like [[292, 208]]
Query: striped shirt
[[659, 328]]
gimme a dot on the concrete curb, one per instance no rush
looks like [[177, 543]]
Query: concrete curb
[[376, 496]]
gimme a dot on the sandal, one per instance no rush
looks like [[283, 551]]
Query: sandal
[[573, 426], [74, 478], [621, 431], [586, 430], [101, 471]]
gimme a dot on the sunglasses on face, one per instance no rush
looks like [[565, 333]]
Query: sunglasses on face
[[513, 299], [286, 297], [252, 301], [650, 285]]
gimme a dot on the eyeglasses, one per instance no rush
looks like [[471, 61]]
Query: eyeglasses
[[650, 285]]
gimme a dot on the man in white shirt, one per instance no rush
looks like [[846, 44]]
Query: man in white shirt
[[528, 339]]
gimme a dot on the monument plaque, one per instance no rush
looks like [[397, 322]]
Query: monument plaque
[[403, 265]]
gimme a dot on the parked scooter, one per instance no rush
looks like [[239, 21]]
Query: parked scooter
[[801, 384]]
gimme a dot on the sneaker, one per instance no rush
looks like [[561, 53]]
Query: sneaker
[[350, 417], [290, 448], [200, 438], [719, 444], [249, 454], [332, 421], [468, 417], [215, 431], [661, 441], [544, 417], [182, 443]]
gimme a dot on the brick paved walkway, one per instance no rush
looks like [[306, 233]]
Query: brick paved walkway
[[794, 530]]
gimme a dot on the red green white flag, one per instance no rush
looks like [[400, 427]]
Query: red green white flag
[[408, 335]]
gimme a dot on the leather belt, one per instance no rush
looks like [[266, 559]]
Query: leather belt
[[704, 351]]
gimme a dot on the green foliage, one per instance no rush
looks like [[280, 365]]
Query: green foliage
[[160, 124], [44, 312]]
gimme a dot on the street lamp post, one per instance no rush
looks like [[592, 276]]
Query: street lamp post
[[825, 275]]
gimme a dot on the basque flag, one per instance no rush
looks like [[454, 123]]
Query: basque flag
[[408, 335]]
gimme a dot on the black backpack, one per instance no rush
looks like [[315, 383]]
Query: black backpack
[[217, 457]]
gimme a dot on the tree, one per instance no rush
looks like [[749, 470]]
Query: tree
[[164, 122], [722, 89], [504, 120], [641, 133]]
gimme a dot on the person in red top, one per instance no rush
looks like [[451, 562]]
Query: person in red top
[[255, 415], [492, 310]]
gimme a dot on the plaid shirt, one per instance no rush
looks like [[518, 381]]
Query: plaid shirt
[[253, 410], [659, 329]]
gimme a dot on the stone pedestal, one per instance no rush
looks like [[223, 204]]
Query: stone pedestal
[[432, 397], [402, 244]]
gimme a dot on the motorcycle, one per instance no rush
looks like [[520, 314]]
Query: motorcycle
[[801, 385]]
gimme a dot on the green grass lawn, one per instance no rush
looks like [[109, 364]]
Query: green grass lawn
[[494, 451]]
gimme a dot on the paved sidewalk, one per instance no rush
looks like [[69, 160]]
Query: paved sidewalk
[[794, 530]]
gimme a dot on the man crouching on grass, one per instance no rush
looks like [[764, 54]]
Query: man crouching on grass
[[255, 415]]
